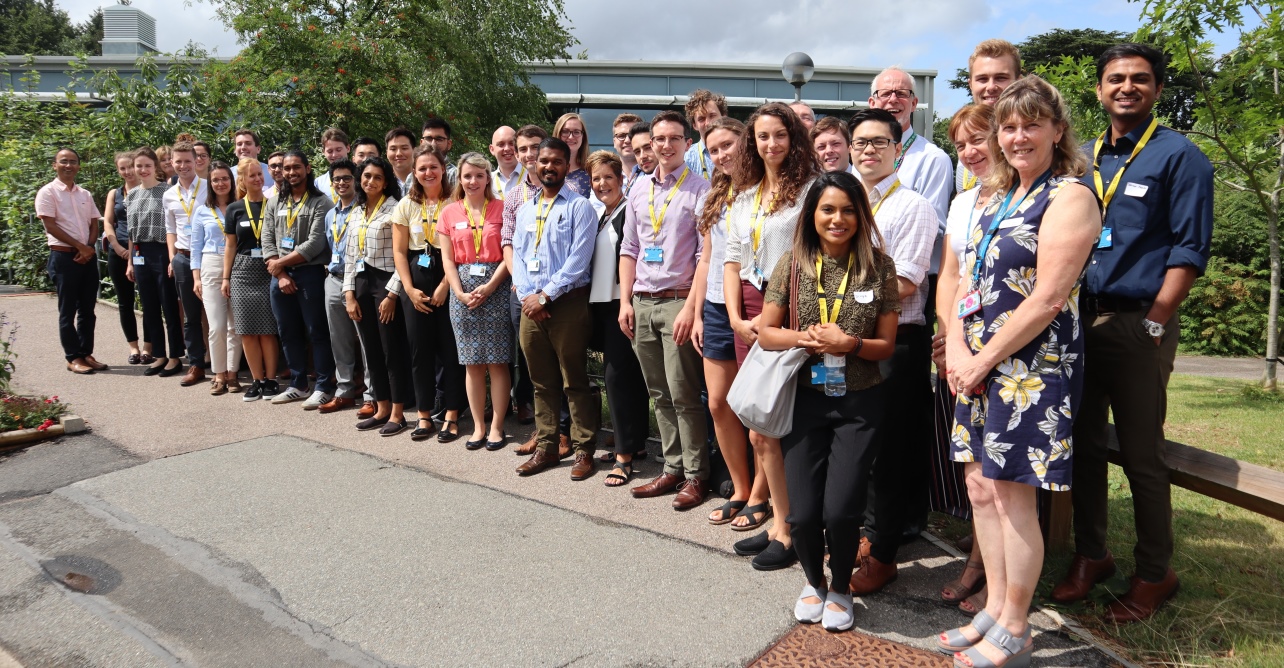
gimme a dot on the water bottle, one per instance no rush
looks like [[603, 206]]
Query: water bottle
[[835, 375]]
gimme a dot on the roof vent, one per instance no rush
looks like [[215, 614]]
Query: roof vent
[[128, 31]]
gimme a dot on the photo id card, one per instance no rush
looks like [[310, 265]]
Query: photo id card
[[477, 270], [335, 259], [139, 261], [969, 304], [1107, 239], [361, 265], [532, 265], [653, 254], [818, 374], [256, 252], [287, 243], [425, 261]]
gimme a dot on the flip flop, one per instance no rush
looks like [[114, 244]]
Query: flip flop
[[727, 515]]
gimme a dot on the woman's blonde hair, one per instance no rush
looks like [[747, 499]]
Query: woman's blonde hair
[[476, 160], [581, 156], [1031, 98], [243, 168]]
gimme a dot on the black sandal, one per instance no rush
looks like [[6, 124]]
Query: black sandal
[[609, 456], [749, 512], [422, 433], [444, 436], [622, 479], [727, 507]]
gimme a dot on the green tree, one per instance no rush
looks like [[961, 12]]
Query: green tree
[[88, 37], [33, 27], [1240, 113], [367, 65]]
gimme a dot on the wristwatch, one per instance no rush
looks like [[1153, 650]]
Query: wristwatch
[[1153, 328], [543, 299]]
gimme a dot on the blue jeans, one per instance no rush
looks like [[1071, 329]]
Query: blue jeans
[[300, 320], [77, 288]]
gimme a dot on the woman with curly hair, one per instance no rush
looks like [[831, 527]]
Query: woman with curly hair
[[777, 167]]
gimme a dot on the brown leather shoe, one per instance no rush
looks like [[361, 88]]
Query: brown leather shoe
[[336, 404], [662, 484], [563, 446], [94, 364], [78, 366], [1083, 575], [538, 462], [367, 410], [525, 414], [195, 375], [528, 447], [583, 466], [872, 576], [1143, 599], [691, 493]]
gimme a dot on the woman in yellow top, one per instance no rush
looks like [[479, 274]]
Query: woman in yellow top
[[470, 230], [424, 293]]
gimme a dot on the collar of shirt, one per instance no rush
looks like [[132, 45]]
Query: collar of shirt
[[1127, 141], [57, 183], [882, 187]]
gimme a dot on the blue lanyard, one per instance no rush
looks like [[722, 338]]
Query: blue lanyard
[[1004, 211]]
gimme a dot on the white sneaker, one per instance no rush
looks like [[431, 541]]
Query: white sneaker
[[314, 402], [809, 613], [289, 394], [838, 620]]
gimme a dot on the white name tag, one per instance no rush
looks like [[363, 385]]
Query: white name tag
[[334, 258], [417, 229], [461, 225], [532, 265], [477, 270], [256, 252], [864, 296], [1136, 189], [530, 228], [1011, 222], [245, 223]]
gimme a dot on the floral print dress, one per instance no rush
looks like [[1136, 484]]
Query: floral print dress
[[1019, 427]]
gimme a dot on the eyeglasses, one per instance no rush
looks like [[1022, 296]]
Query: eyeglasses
[[879, 143], [621, 136], [341, 179], [899, 93], [571, 133], [435, 140]]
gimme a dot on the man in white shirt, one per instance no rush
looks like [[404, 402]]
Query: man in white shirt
[[992, 67], [274, 164], [702, 109], [805, 114], [923, 167], [831, 140], [180, 202], [334, 146], [503, 147], [246, 145], [400, 144], [908, 225]]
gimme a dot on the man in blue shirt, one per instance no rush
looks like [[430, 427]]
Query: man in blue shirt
[[702, 109], [343, 332], [551, 252], [1156, 190]]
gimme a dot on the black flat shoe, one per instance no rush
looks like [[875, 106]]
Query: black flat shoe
[[166, 373], [422, 433], [153, 370], [775, 557], [371, 423], [496, 445], [136, 359], [753, 545], [475, 445], [392, 428], [444, 436]]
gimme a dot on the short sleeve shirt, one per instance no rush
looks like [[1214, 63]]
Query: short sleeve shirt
[[422, 221], [243, 217], [455, 225], [71, 208]]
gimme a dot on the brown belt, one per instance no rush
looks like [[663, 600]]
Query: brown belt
[[664, 294], [180, 251], [60, 249]]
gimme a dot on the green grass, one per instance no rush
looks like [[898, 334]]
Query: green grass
[[1230, 610]]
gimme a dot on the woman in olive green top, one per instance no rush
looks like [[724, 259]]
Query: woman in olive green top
[[848, 322]]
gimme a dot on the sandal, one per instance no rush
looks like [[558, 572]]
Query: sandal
[[609, 456], [1014, 647], [955, 641], [954, 591], [727, 515], [975, 603], [444, 436], [750, 512], [614, 479]]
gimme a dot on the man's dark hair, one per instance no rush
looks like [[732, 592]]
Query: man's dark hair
[[275, 154], [557, 145], [366, 141], [310, 182], [434, 123], [344, 164], [400, 132], [1158, 62], [529, 131], [639, 128], [880, 115], [66, 148], [670, 116]]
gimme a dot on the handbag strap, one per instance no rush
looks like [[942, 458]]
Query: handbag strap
[[793, 294]]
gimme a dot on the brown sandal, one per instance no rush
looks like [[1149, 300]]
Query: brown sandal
[[974, 603], [955, 592]]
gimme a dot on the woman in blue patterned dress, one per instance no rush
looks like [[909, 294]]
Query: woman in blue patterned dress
[[1016, 362]]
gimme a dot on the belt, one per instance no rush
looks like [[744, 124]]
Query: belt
[[908, 328], [60, 249], [180, 251], [336, 274], [664, 294], [1112, 304]]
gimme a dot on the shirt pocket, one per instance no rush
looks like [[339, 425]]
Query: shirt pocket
[[1137, 195]]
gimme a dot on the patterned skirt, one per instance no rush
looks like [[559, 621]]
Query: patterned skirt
[[483, 335], [250, 304]]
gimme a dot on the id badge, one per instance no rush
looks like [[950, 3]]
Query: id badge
[[757, 278], [818, 374], [425, 261], [361, 265], [532, 265], [416, 229], [461, 225], [139, 260], [477, 270], [287, 243], [653, 254], [334, 258], [530, 227], [969, 304], [256, 252], [1107, 239]]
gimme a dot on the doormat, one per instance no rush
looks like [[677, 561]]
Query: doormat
[[810, 645]]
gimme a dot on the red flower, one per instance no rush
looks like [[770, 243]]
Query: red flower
[[45, 425]]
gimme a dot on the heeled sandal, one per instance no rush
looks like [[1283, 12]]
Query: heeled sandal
[[955, 641], [1016, 650], [957, 590]]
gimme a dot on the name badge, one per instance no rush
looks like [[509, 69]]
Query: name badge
[[532, 265], [461, 225], [139, 261], [416, 229], [757, 278], [425, 261], [256, 252], [477, 270], [361, 265], [653, 254], [1136, 189], [864, 296], [530, 228], [969, 304], [244, 223], [818, 374], [335, 259], [1107, 239], [1011, 222], [287, 243]]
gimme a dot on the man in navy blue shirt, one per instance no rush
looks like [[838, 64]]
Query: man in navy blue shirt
[[1156, 188]]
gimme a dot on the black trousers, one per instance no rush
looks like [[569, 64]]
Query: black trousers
[[626, 391], [125, 295], [902, 470], [193, 311], [159, 298], [77, 288], [432, 341], [384, 345], [827, 461]]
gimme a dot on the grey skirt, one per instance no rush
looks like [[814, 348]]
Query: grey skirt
[[250, 304]]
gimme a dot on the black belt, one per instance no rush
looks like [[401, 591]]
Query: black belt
[[908, 328], [1112, 304]]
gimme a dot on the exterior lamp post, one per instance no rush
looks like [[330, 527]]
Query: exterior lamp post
[[797, 70]]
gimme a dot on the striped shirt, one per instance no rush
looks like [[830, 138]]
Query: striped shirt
[[560, 261], [378, 245], [146, 210]]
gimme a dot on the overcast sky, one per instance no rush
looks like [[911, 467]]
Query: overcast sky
[[916, 34]]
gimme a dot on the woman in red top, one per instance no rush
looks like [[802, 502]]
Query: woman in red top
[[469, 230]]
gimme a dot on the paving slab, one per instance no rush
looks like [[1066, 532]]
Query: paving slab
[[46, 466]]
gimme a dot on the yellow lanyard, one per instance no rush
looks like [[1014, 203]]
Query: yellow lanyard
[[256, 224], [657, 222], [477, 229], [704, 167], [1107, 194], [969, 179], [430, 226], [366, 217], [759, 218], [827, 316], [727, 206], [292, 211], [188, 205], [876, 207], [541, 215], [336, 232]]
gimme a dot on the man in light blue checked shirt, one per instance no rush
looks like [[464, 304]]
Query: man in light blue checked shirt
[[343, 332], [550, 254]]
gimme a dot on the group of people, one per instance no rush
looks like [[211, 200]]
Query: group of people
[[401, 278]]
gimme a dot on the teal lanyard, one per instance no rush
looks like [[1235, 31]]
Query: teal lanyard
[[1004, 211]]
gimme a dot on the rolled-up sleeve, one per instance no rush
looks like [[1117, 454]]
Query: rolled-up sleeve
[[268, 239], [1190, 210]]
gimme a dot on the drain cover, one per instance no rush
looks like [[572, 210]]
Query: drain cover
[[809, 645], [83, 574]]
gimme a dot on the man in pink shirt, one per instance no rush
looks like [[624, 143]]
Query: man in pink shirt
[[71, 225]]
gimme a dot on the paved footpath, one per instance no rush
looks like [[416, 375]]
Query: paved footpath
[[212, 532]]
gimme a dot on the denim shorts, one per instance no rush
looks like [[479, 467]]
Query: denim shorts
[[719, 340]]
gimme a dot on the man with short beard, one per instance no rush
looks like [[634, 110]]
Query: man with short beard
[[640, 140]]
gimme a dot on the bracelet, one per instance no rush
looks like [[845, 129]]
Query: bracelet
[[860, 343]]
